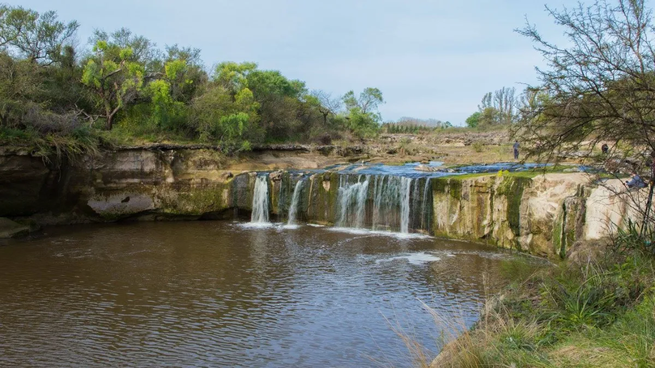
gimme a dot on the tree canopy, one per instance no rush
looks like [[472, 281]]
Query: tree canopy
[[123, 83]]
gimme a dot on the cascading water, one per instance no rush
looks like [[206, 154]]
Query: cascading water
[[425, 210], [295, 202], [379, 202], [352, 201], [406, 188], [260, 201], [415, 215], [390, 201]]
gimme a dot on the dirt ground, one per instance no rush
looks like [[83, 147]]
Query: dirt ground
[[450, 148]]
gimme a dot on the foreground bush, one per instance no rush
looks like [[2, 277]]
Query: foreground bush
[[595, 310]]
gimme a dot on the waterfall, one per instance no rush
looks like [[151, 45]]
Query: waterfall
[[425, 210], [352, 201], [378, 202], [260, 201], [391, 202], [386, 201], [295, 200], [406, 188], [415, 215]]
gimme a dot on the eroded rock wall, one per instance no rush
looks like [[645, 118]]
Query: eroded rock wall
[[117, 185], [512, 212], [543, 215]]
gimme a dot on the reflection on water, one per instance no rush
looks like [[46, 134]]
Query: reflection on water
[[218, 294]]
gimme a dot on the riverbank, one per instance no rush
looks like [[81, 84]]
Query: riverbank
[[526, 211], [593, 310], [544, 215]]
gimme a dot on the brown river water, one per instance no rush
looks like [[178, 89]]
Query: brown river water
[[218, 294]]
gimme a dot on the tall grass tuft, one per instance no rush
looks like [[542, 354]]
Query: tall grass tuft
[[598, 312]]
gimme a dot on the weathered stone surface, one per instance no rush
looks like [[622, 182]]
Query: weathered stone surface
[[511, 212], [121, 205], [611, 206], [544, 215], [11, 229]]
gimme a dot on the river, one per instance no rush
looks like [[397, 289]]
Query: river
[[222, 294]]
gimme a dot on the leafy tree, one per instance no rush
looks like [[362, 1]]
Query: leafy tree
[[19, 86], [33, 36], [489, 116], [233, 76], [190, 82], [474, 120], [144, 51], [61, 90], [231, 122], [363, 117], [115, 80], [165, 109], [498, 107], [367, 102]]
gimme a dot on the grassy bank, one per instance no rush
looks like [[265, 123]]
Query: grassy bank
[[597, 309]]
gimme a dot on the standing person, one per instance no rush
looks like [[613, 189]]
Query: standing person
[[604, 148], [516, 150]]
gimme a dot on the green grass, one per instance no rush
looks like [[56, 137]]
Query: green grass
[[596, 313]]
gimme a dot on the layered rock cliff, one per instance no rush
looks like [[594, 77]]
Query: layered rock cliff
[[543, 215]]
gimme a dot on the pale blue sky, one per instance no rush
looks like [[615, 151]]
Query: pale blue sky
[[431, 59]]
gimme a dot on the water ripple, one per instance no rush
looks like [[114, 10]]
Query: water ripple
[[213, 294]]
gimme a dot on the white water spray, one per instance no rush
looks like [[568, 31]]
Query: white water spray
[[295, 201], [405, 190], [425, 210], [260, 201], [352, 202]]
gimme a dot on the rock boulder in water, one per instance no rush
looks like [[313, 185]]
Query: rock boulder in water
[[11, 229]]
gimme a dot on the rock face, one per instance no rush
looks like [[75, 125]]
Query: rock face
[[511, 212], [544, 215], [611, 206], [11, 229], [115, 186]]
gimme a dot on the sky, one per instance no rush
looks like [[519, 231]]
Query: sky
[[431, 58]]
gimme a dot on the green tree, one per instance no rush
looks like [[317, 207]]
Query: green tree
[[166, 111], [144, 51], [489, 116], [231, 122], [33, 36], [363, 117], [115, 80], [281, 110], [19, 86], [193, 79], [233, 76], [474, 120]]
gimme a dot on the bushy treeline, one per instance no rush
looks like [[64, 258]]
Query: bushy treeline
[[123, 82], [501, 107], [408, 125]]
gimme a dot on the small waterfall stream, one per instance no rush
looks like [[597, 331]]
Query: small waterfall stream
[[260, 201], [405, 190], [384, 202], [391, 203], [426, 206], [352, 201], [295, 202]]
